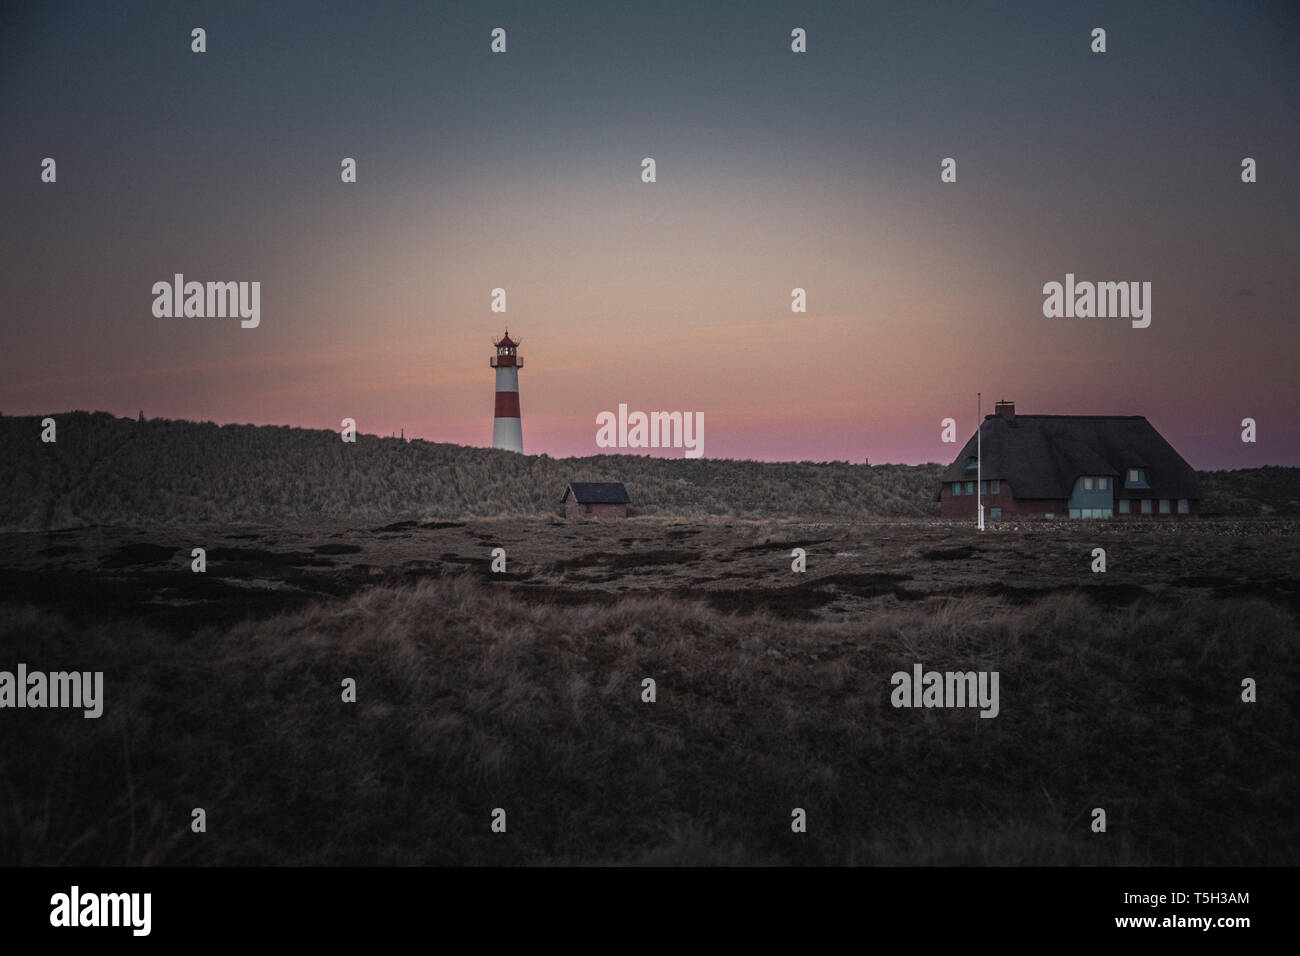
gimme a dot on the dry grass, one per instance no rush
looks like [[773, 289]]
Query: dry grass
[[471, 698], [108, 470]]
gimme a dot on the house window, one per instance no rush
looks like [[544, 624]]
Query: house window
[[970, 487], [1184, 506], [1103, 484], [1087, 484], [956, 488], [1134, 476], [1124, 506], [1089, 513], [972, 464], [586, 508], [995, 486], [995, 514], [984, 487], [1164, 506], [1050, 514], [1146, 506]]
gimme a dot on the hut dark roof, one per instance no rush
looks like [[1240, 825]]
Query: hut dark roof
[[1041, 456], [597, 493]]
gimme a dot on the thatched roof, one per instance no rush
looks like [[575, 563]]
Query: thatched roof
[[1041, 456]]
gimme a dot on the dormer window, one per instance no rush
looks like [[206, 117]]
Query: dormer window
[[1136, 478], [971, 464]]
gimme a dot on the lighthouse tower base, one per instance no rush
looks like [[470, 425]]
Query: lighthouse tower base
[[508, 433]]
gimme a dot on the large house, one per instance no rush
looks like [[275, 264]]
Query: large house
[[1076, 466]]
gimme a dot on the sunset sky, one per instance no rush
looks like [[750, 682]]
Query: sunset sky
[[775, 170]]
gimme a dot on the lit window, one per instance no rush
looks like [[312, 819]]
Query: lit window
[[1164, 506], [1087, 484], [1123, 506], [1103, 484], [1184, 506], [1146, 506], [1134, 476]]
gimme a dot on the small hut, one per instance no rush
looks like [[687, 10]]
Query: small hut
[[595, 499]]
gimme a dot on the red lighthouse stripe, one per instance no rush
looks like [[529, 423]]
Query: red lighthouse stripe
[[507, 405]]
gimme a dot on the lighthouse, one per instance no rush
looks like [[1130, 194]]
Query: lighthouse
[[506, 430]]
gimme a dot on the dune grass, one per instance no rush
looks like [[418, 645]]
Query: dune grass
[[472, 697]]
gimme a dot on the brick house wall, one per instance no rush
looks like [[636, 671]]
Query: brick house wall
[[572, 509], [963, 506]]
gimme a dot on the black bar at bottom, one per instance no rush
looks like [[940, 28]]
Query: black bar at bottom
[[332, 906]]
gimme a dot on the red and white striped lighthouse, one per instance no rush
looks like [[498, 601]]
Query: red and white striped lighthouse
[[507, 432]]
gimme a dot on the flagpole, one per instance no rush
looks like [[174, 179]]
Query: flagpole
[[979, 459]]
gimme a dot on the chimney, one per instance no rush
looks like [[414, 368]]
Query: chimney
[[1006, 409]]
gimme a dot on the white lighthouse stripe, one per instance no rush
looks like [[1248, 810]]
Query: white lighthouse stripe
[[507, 379], [508, 433]]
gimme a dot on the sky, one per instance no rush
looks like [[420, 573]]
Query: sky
[[774, 170]]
